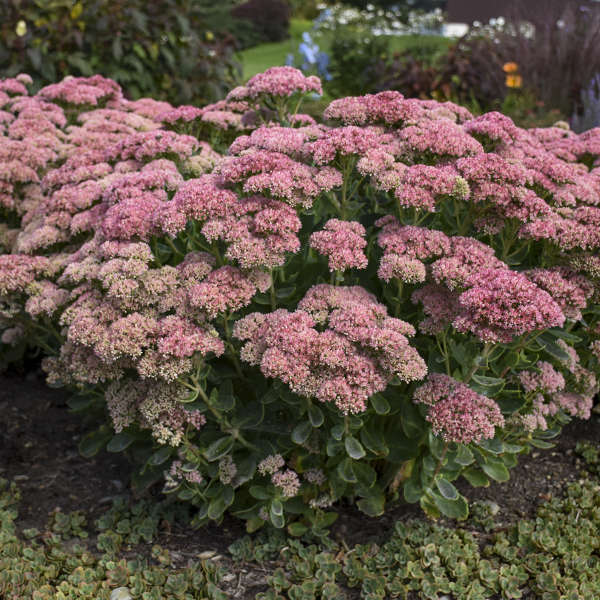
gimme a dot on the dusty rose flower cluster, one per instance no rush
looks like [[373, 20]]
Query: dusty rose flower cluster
[[339, 347]]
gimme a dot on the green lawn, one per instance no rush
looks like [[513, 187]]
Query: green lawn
[[257, 59]]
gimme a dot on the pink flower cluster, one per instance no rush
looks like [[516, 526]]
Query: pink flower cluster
[[277, 81], [359, 350], [456, 412], [258, 231], [82, 90], [501, 304], [343, 242], [568, 289], [571, 393], [391, 109], [121, 314], [276, 175]]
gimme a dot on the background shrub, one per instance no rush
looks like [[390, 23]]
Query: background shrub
[[270, 19], [161, 48], [353, 55]]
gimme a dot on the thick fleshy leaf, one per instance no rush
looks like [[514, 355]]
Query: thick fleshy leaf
[[354, 448]]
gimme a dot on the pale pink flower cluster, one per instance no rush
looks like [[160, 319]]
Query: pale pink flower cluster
[[423, 186], [456, 412], [343, 242], [121, 314], [277, 81], [286, 480], [358, 352], [82, 90], [493, 127], [179, 472], [18, 271], [341, 142], [258, 231], [227, 470], [440, 138], [153, 144], [154, 406], [271, 464], [545, 379]]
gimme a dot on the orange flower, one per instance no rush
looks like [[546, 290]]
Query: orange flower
[[514, 81], [510, 67]]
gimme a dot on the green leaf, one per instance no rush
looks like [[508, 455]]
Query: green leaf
[[564, 335], [315, 414], [160, 456], [219, 504], [285, 293], [380, 404], [354, 448], [411, 420], [547, 342], [464, 456], [91, 444], [186, 494], [428, 507], [226, 399], [365, 474], [259, 492], [79, 403], [301, 432], [412, 491], [494, 445], [337, 432], [451, 508], [373, 440], [447, 490], [475, 477], [496, 470], [219, 448], [541, 444], [490, 386], [401, 449], [346, 472], [277, 507], [372, 506], [297, 529], [120, 442]]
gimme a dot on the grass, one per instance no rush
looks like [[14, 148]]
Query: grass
[[259, 58]]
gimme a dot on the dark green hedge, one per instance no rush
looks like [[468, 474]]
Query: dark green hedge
[[160, 48]]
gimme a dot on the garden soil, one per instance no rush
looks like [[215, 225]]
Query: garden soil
[[38, 450]]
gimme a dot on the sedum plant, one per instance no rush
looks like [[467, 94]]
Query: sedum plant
[[361, 309]]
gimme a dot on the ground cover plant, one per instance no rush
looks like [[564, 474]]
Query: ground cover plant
[[368, 307], [94, 552]]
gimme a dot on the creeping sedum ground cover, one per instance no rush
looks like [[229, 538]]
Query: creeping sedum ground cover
[[277, 314]]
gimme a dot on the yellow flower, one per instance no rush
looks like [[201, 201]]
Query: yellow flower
[[510, 67], [514, 81], [21, 28]]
